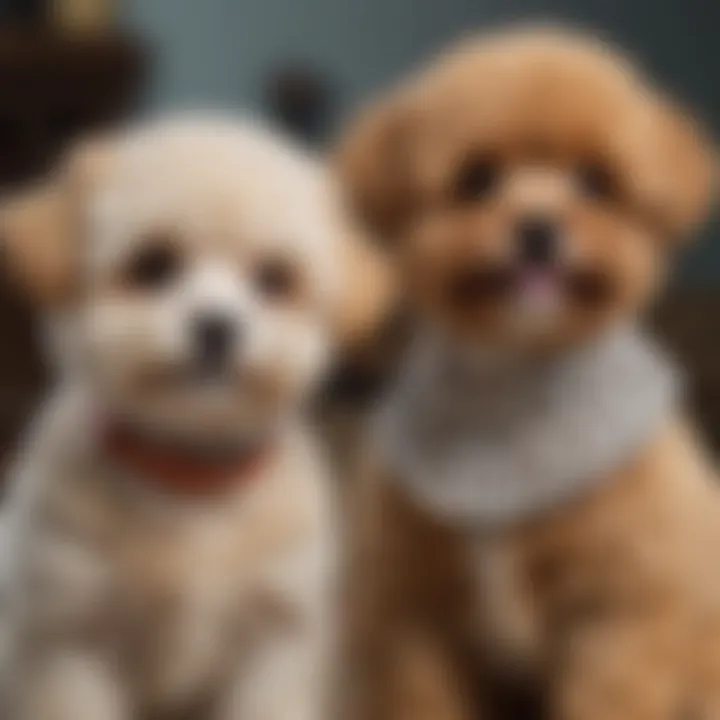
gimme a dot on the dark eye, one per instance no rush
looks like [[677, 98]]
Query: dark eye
[[276, 279], [153, 266], [476, 180], [596, 181]]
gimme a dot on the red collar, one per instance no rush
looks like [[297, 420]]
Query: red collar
[[176, 469]]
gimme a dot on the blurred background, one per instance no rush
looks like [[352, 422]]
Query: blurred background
[[70, 66]]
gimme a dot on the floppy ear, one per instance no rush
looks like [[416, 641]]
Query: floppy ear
[[367, 292], [41, 228], [372, 163], [685, 171], [36, 249]]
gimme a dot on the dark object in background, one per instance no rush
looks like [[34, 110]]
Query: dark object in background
[[362, 375], [25, 13], [688, 324], [300, 100], [53, 88]]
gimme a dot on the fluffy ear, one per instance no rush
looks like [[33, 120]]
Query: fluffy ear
[[40, 227], [36, 247], [372, 162], [368, 290], [685, 170]]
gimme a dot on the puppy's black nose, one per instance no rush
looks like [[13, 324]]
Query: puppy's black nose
[[214, 336], [537, 239]]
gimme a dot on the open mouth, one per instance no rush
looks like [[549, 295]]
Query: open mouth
[[475, 288]]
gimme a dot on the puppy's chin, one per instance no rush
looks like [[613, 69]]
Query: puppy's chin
[[208, 416], [530, 309], [181, 403]]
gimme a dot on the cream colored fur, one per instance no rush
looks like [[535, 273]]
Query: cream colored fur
[[121, 601]]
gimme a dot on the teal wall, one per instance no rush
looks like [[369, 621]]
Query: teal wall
[[218, 51]]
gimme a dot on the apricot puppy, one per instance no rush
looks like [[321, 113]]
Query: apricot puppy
[[168, 542], [541, 530]]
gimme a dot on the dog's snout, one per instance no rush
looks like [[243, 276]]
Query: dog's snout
[[214, 337], [537, 238]]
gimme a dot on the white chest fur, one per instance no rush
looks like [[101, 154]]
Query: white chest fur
[[183, 591]]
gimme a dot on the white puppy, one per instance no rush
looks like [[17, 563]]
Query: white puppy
[[170, 543]]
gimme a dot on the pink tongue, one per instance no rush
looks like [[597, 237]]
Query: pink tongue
[[538, 283]]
